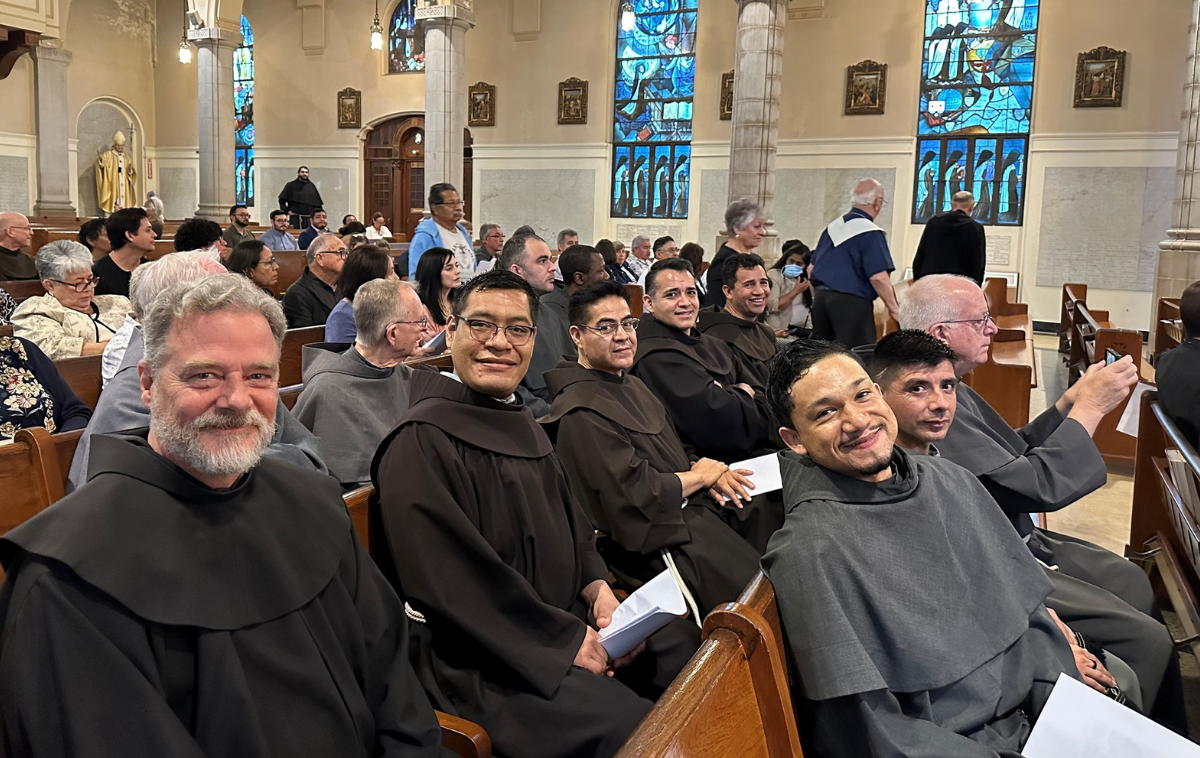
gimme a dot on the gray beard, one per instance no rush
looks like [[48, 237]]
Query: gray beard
[[182, 441]]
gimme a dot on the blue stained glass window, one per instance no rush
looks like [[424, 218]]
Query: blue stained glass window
[[243, 110], [652, 124], [406, 39], [976, 102]]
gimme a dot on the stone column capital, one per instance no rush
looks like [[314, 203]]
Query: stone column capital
[[214, 38], [51, 54], [447, 15]]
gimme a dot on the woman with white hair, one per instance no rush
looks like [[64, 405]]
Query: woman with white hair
[[746, 225], [70, 320]]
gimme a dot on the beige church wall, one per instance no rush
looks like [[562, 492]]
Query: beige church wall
[[17, 168]]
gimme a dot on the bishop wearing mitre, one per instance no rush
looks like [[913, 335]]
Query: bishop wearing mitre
[[115, 176]]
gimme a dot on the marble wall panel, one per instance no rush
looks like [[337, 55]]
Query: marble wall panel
[[333, 184], [177, 189], [714, 197], [546, 199], [14, 183], [1102, 226]]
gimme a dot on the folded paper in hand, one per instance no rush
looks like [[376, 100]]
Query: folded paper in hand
[[764, 473], [1079, 722], [642, 614]]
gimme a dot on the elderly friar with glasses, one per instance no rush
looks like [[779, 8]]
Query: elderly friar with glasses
[[70, 320]]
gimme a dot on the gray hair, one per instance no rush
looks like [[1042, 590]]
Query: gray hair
[[562, 236], [377, 305], [61, 258], [868, 197], [637, 242], [932, 300], [962, 198], [150, 279], [486, 229], [213, 294], [318, 245], [741, 214]]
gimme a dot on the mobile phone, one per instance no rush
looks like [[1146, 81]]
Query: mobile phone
[[437, 343], [1111, 356]]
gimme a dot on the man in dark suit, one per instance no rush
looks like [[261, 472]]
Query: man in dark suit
[[953, 243], [1177, 369]]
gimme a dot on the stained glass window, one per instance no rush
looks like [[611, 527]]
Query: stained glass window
[[976, 100], [243, 110], [652, 139], [406, 39]]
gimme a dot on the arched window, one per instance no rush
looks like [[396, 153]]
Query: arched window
[[243, 110], [406, 39], [652, 124], [976, 100]]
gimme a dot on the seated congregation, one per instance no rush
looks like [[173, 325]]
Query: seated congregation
[[539, 436]]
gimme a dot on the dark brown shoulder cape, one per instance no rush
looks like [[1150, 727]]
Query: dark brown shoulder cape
[[709, 352], [624, 400], [753, 338]]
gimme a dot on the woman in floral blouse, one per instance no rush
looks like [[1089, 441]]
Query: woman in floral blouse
[[70, 320], [32, 394]]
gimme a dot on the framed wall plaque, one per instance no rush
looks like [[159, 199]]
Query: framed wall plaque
[[727, 96], [573, 101], [349, 109], [1100, 78], [866, 89], [482, 104]]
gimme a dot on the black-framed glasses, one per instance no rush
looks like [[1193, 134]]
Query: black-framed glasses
[[83, 286], [339, 253], [485, 331], [272, 261], [979, 324], [459, 204], [630, 326]]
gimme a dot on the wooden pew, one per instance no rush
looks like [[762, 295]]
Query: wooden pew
[[83, 376], [464, 738], [291, 267], [294, 341], [1071, 294], [732, 699], [1091, 339], [1007, 376], [635, 299], [6, 330], [1168, 328], [29, 478], [22, 289], [1161, 524]]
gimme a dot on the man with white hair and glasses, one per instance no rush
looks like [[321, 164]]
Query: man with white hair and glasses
[[851, 266], [217, 603]]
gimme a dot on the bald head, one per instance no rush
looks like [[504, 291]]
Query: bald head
[[868, 196], [15, 232], [955, 310], [963, 201]]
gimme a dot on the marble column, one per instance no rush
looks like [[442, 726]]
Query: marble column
[[53, 157], [214, 76], [446, 29], [758, 73], [1179, 254]]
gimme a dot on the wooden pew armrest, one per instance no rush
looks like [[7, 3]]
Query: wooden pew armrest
[[465, 738]]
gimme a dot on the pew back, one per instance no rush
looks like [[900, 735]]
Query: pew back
[[23, 289], [291, 268], [83, 376], [635, 299], [1091, 338], [1168, 327], [294, 341], [732, 699]]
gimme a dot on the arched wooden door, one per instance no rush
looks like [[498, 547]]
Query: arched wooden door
[[395, 173]]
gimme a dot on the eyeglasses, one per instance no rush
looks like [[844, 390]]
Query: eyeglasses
[[339, 253], [979, 324], [459, 204], [271, 262], [424, 322], [485, 331], [630, 326], [82, 286]]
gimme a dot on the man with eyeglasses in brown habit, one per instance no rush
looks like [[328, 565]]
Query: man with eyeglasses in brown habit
[[15, 234], [654, 501], [497, 560]]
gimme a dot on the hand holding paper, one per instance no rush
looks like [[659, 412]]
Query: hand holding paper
[[642, 614]]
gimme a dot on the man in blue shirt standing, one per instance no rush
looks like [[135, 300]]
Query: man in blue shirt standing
[[850, 268]]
